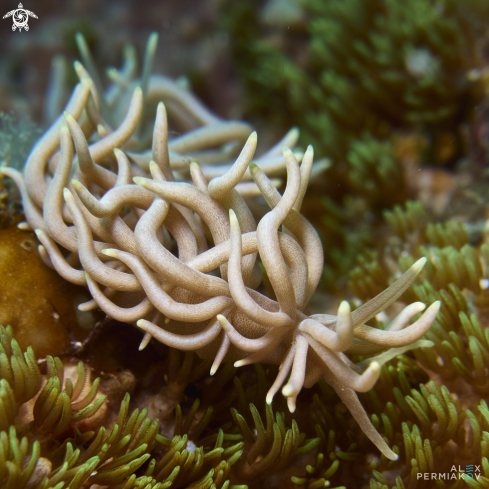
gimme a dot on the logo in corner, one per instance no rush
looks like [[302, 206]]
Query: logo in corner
[[20, 17]]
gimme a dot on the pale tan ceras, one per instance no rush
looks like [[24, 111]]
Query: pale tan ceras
[[120, 233]]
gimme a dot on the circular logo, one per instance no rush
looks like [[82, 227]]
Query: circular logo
[[20, 17]]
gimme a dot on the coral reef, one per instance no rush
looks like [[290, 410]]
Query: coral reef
[[158, 220]]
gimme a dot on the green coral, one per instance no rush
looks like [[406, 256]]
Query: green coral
[[374, 173], [54, 451], [406, 221], [451, 259], [360, 66], [429, 424], [273, 446], [345, 231], [404, 61]]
